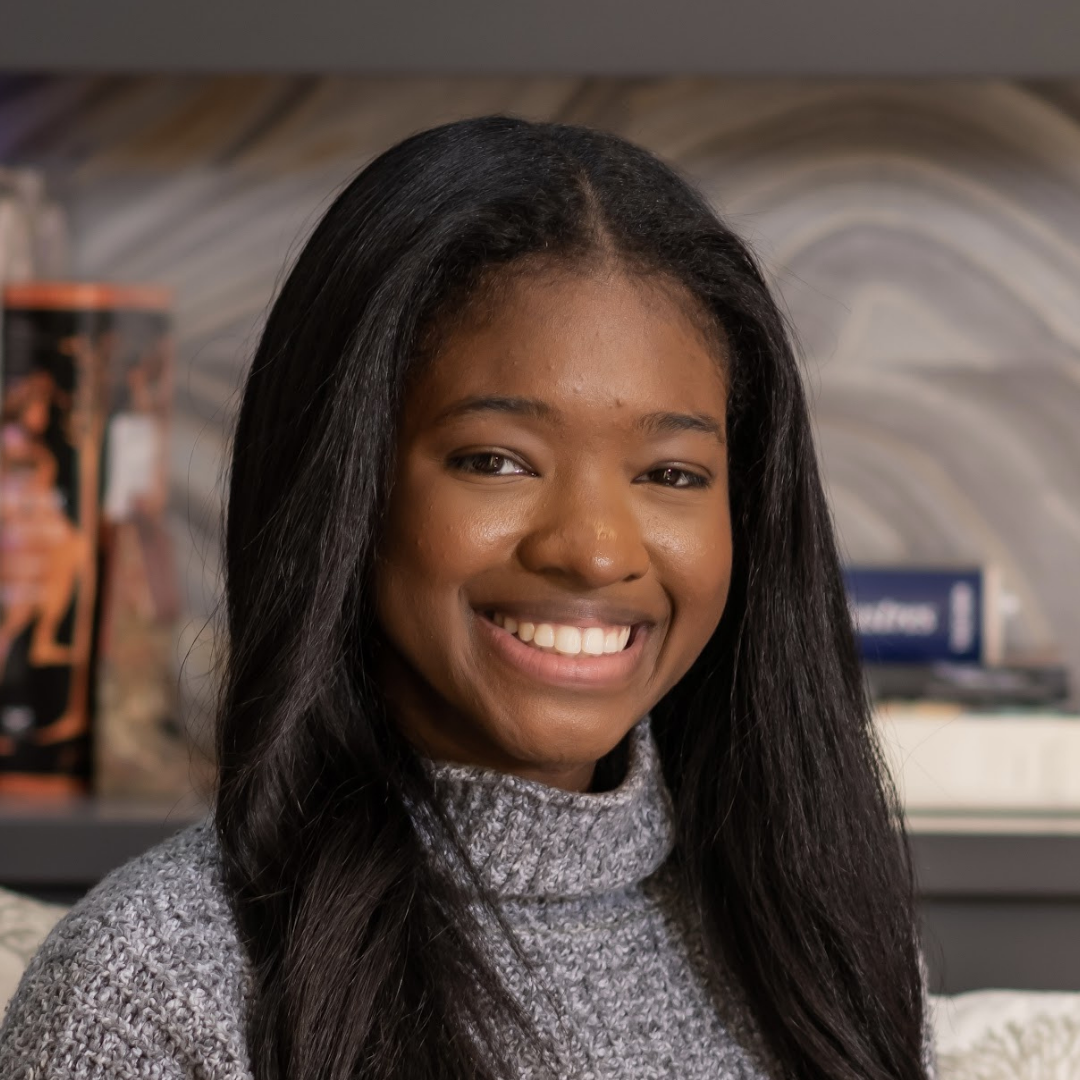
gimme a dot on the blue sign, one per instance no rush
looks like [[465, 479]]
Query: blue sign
[[918, 615]]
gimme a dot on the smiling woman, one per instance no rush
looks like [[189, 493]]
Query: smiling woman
[[543, 744]]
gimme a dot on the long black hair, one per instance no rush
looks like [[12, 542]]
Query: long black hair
[[366, 962]]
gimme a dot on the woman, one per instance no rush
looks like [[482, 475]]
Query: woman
[[544, 748]]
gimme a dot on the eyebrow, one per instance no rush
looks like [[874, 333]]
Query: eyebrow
[[667, 423], [654, 423], [536, 410]]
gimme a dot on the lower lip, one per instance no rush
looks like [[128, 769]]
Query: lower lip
[[610, 669]]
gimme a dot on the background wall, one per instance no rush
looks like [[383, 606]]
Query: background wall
[[925, 237]]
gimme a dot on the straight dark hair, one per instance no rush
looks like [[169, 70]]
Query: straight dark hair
[[366, 961]]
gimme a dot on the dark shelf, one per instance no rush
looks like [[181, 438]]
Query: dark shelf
[[74, 844], [999, 901], [999, 865]]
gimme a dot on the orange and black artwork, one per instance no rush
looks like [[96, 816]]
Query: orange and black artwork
[[66, 348]]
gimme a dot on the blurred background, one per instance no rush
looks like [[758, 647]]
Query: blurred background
[[912, 189], [924, 236]]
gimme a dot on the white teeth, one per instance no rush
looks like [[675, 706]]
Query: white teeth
[[567, 640]]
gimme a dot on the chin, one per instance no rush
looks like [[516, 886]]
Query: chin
[[553, 741]]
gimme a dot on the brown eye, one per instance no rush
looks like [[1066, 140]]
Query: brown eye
[[488, 465], [676, 478]]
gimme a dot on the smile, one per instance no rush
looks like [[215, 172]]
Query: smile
[[597, 657], [565, 640]]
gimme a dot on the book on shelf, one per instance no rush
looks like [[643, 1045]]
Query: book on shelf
[[33, 233], [946, 760], [36, 245], [917, 614], [140, 748], [88, 598], [52, 417]]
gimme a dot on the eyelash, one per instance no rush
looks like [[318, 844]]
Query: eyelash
[[465, 462]]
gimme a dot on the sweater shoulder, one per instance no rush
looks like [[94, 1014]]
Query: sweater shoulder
[[180, 875], [171, 900], [147, 966]]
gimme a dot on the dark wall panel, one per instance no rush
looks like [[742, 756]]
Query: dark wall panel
[[582, 37], [1002, 944]]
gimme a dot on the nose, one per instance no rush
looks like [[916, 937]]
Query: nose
[[587, 534]]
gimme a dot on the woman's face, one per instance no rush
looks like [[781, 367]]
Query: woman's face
[[558, 547]]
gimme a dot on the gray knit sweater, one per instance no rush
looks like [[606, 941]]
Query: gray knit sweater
[[145, 977]]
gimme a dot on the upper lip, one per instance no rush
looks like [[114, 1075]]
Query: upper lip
[[571, 612]]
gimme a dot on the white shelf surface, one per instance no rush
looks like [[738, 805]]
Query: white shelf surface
[[959, 771]]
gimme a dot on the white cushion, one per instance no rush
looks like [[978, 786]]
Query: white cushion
[[1007, 1035], [24, 923]]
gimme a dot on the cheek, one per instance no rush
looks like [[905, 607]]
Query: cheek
[[440, 536], [416, 594], [694, 555]]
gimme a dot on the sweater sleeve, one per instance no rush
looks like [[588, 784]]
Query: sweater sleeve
[[73, 1018], [141, 980]]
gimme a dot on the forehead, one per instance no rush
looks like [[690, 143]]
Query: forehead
[[581, 342]]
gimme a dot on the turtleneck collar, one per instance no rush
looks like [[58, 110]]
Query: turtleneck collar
[[528, 840]]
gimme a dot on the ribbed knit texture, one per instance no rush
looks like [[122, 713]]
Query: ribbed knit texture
[[145, 978]]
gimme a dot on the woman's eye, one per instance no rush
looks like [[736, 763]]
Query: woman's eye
[[488, 465], [676, 478]]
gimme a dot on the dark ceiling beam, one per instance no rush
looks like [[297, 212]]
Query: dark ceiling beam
[[1015, 38]]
